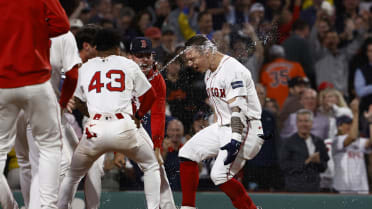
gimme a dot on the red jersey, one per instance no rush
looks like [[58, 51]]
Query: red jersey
[[26, 27], [157, 109]]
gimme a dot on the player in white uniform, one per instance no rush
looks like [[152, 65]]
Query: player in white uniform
[[64, 56], [107, 84], [237, 134], [348, 154], [24, 85]]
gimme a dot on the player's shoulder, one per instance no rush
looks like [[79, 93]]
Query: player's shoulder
[[130, 64], [61, 38], [231, 64], [233, 68]]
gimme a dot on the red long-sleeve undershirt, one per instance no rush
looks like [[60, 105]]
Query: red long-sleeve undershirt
[[157, 109]]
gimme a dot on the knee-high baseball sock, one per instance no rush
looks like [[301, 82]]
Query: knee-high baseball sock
[[189, 174], [236, 192]]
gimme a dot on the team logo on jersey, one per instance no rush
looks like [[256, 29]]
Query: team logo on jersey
[[236, 84], [216, 92]]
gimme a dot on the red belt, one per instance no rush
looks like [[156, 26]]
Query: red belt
[[108, 117]]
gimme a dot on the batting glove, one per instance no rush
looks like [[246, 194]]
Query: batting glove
[[232, 149]]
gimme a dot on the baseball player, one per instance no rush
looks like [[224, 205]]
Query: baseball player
[[142, 53], [24, 85], [348, 150], [64, 58], [237, 134], [107, 84]]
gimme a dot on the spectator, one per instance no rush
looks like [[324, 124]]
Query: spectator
[[125, 21], [167, 46], [248, 49], [275, 74], [303, 156], [348, 154], [162, 11], [188, 14], [333, 66], [242, 11], [287, 19], [332, 104], [317, 34], [222, 11], [178, 94], [297, 49], [199, 122], [320, 126], [348, 9], [363, 77], [172, 143], [272, 106], [154, 34], [103, 9], [75, 25], [256, 14], [142, 22], [264, 170], [205, 24], [273, 10], [311, 13], [297, 86], [222, 38]]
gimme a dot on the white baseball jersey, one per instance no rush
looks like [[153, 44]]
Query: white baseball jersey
[[229, 80], [350, 170], [107, 87], [64, 55]]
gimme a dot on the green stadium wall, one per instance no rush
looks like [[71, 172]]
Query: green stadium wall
[[217, 200]]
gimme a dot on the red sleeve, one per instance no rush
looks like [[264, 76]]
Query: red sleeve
[[69, 85], [158, 112], [146, 102], [56, 18]]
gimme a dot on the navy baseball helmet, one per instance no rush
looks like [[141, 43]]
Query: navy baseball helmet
[[140, 45]]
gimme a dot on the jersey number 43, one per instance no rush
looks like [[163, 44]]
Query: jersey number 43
[[117, 83]]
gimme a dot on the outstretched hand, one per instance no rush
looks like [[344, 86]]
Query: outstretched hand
[[232, 149]]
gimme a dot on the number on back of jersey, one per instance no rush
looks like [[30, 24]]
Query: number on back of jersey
[[117, 81]]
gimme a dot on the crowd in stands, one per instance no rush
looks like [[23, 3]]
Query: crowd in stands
[[311, 61]]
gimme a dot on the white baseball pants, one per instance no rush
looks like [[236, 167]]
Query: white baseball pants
[[207, 143], [166, 195], [110, 134], [42, 110], [28, 155]]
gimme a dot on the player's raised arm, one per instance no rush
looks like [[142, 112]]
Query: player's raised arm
[[56, 18]]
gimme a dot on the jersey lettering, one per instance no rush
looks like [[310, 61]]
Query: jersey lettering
[[118, 83], [215, 92], [280, 77], [120, 80], [95, 83]]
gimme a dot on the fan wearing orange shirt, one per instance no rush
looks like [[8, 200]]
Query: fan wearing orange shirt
[[275, 74]]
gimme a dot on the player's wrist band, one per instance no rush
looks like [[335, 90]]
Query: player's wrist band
[[236, 136]]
